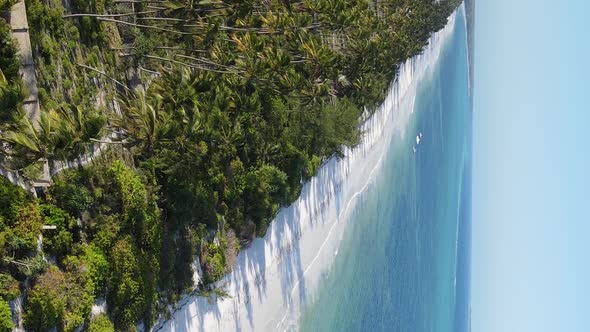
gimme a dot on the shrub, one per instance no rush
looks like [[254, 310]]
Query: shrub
[[101, 323], [60, 299], [9, 289], [9, 60], [58, 241], [69, 192], [126, 292], [6, 323], [213, 262], [98, 267]]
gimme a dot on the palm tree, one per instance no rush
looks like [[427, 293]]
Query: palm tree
[[26, 143], [182, 100], [143, 120], [61, 134], [78, 128], [11, 96]]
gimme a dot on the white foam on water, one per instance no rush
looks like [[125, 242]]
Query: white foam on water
[[280, 273]]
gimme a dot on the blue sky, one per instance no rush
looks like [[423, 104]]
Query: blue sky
[[531, 181]]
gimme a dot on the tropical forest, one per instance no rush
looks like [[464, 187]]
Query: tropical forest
[[165, 135]]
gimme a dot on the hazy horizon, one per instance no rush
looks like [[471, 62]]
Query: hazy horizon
[[530, 181]]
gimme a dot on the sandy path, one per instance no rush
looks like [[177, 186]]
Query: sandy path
[[20, 30]]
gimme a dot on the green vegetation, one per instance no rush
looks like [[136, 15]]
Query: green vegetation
[[11, 89], [101, 323], [9, 61], [60, 241], [6, 323], [6, 4], [20, 222], [213, 114], [61, 299], [9, 290]]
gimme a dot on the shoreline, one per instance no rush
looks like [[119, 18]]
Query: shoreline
[[279, 273]]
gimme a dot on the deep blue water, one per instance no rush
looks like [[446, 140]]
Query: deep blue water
[[403, 263]]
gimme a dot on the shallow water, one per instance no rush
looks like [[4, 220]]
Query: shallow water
[[403, 262]]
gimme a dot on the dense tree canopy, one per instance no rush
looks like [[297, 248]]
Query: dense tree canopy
[[60, 299]]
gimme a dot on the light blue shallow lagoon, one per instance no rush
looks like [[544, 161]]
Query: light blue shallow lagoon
[[403, 263]]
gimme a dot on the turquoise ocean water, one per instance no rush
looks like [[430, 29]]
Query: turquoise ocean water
[[403, 263]]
